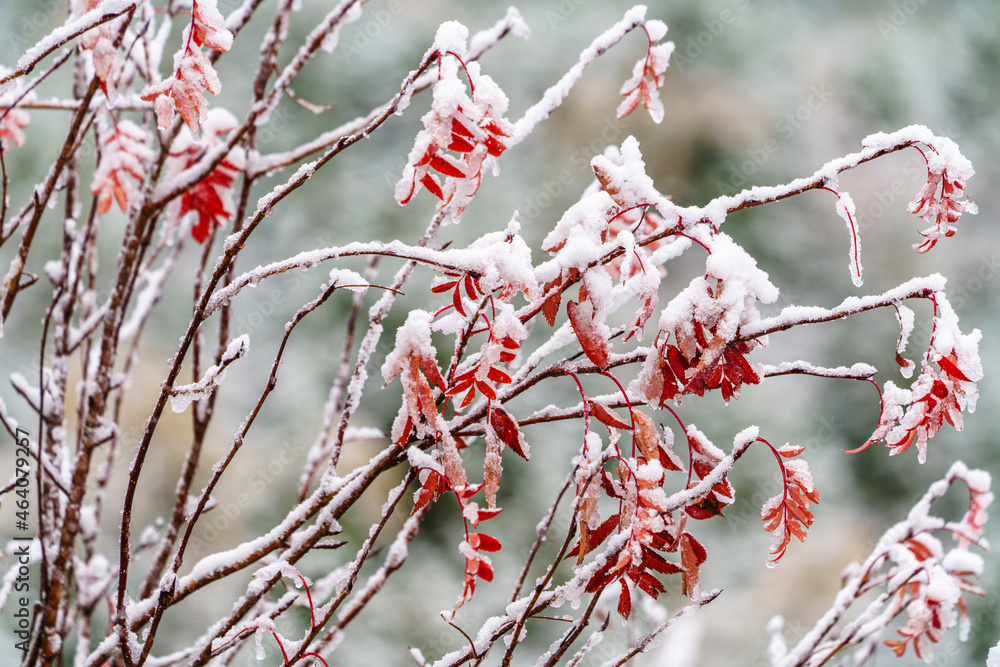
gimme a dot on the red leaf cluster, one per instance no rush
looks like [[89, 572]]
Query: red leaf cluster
[[651, 531], [464, 283], [184, 91], [788, 513], [647, 78], [940, 203], [637, 484], [12, 126], [481, 376], [418, 397], [477, 564], [124, 155], [700, 360], [938, 395], [476, 545], [210, 198], [100, 41], [448, 155], [932, 599]]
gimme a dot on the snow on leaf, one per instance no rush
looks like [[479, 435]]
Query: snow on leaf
[[124, 156], [704, 458], [463, 132], [183, 92], [788, 513], [651, 445], [647, 78], [593, 335]]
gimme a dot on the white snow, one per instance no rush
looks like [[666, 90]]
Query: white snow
[[554, 96], [183, 395], [71, 29]]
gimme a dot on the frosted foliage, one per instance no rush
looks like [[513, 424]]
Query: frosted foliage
[[413, 337], [583, 345], [451, 36]]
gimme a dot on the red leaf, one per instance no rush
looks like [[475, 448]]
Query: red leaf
[[483, 515], [654, 561], [484, 542], [692, 556], [498, 375], [458, 129], [506, 429], [949, 367], [494, 147], [597, 536], [432, 487], [432, 186], [204, 198], [650, 584], [624, 599], [457, 300], [446, 167], [487, 391], [646, 436], [460, 145], [606, 416], [469, 490], [444, 287], [592, 339]]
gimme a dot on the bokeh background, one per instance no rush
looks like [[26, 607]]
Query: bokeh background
[[759, 92]]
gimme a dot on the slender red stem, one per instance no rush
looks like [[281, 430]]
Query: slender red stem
[[854, 232], [281, 646]]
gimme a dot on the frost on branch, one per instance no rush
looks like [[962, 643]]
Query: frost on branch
[[183, 92], [916, 576], [100, 42], [463, 133], [182, 396]]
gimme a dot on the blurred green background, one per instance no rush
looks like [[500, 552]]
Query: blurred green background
[[759, 92]]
